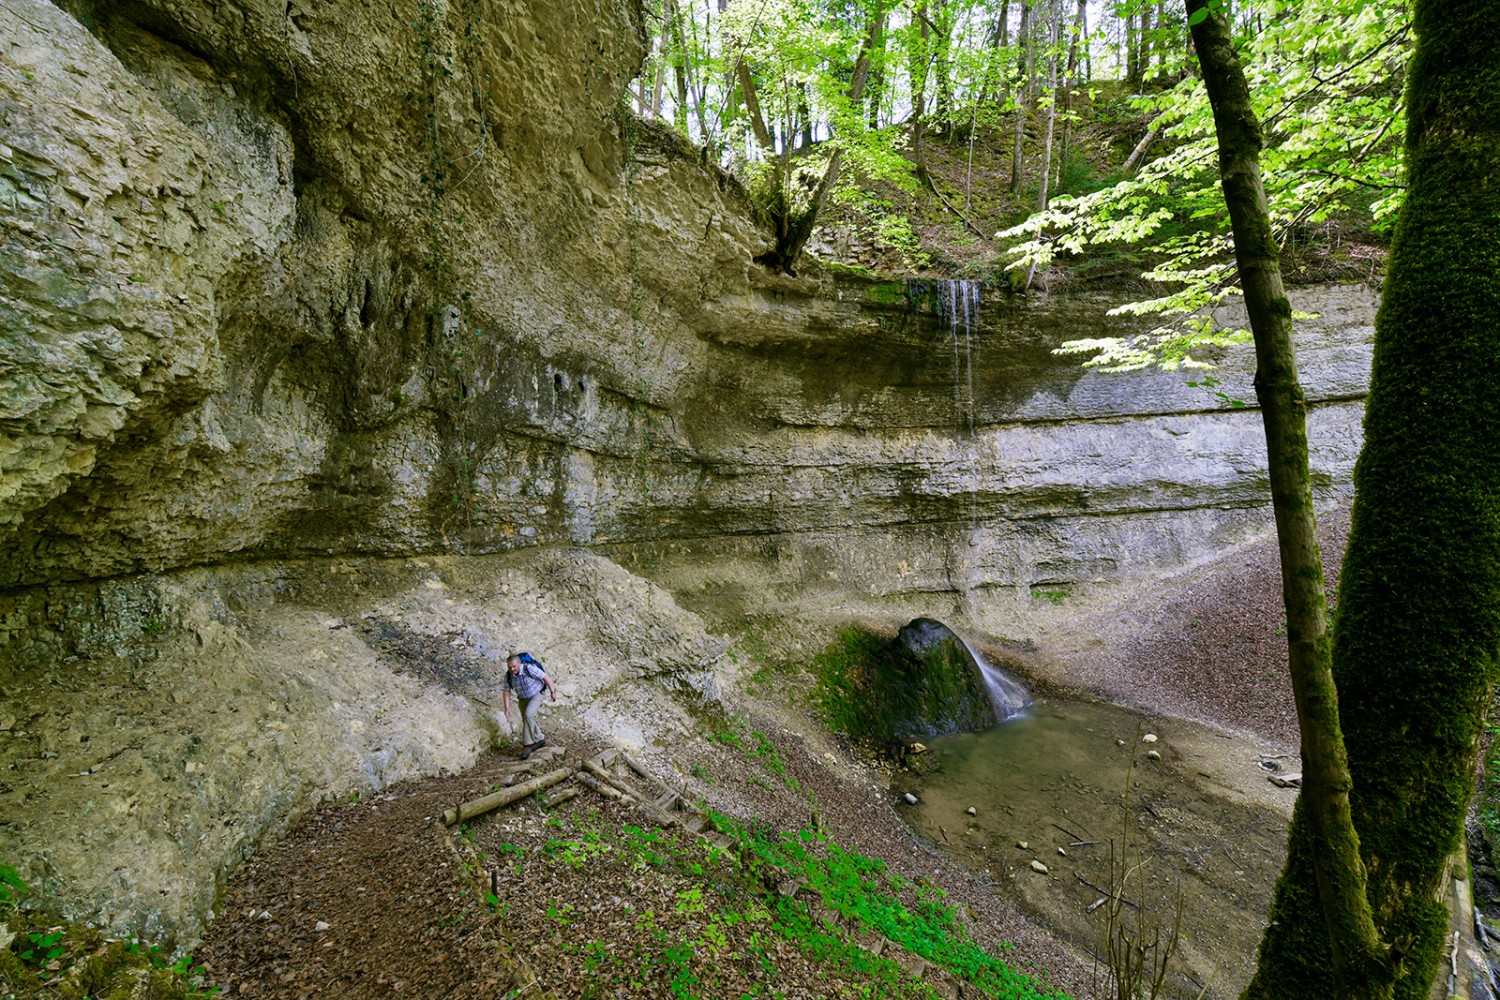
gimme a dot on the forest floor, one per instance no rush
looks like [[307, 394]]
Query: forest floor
[[377, 898]]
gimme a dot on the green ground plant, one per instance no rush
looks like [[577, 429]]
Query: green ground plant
[[61, 960], [703, 909]]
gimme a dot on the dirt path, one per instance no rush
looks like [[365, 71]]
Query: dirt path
[[405, 917], [363, 899]]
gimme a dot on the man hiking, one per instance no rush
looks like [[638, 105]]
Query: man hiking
[[526, 677]]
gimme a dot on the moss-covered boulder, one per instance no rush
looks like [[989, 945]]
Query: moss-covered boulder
[[924, 681]]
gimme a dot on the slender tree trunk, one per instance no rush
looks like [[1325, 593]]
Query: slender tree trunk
[[679, 67], [660, 75], [1143, 50], [1070, 88], [752, 107], [1418, 631], [918, 68], [1023, 89], [1138, 154], [804, 113], [1045, 171], [999, 40], [1357, 955], [941, 48]]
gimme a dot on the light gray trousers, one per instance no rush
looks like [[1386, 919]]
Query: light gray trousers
[[531, 708]]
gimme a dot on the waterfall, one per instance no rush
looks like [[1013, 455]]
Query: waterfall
[[959, 301], [1007, 696]]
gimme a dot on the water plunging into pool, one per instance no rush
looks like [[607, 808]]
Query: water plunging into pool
[[1007, 695]]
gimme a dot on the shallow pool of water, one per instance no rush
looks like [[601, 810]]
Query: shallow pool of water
[[1202, 817]]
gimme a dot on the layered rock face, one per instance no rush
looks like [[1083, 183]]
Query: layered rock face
[[289, 290]]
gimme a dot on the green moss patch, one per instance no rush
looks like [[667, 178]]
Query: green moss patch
[[874, 688]]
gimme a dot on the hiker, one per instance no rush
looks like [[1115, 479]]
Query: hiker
[[526, 677]]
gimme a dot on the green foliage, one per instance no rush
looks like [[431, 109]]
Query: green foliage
[[75, 962], [913, 915], [715, 905], [12, 888], [1326, 84], [1053, 596]]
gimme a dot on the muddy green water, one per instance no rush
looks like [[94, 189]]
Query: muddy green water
[[1202, 818]]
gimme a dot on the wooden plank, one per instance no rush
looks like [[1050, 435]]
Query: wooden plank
[[482, 805]]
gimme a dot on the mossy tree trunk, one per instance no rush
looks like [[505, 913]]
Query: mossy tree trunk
[[1358, 959], [1418, 629]]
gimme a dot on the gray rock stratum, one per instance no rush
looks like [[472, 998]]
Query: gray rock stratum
[[292, 295]]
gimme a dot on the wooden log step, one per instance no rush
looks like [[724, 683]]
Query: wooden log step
[[559, 797], [504, 797], [667, 800], [604, 788]]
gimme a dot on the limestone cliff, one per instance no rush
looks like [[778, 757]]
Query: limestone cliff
[[294, 293]]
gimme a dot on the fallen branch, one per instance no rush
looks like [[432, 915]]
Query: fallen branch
[[1107, 893], [553, 801], [932, 186], [480, 806], [609, 779], [1067, 831]]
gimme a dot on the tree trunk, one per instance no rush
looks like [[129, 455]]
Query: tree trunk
[[1143, 49], [752, 107], [1138, 155], [794, 229], [1023, 88], [660, 71], [1357, 956], [1071, 86], [1044, 173], [918, 69], [1419, 600], [679, 67], [941, 48]]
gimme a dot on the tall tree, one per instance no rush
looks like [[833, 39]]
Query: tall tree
[[1022, 95], [1418, 632], [1339, 875]]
